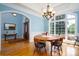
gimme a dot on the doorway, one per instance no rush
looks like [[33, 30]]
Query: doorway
[[26, 30]]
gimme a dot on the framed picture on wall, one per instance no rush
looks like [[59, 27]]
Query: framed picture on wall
[[9, 26]]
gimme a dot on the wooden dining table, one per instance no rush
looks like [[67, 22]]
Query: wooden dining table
[[50, 38]]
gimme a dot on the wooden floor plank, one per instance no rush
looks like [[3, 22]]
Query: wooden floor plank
[[27, 49]]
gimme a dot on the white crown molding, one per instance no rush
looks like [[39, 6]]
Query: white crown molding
[[66, 8], [60, 8], [22, 8]]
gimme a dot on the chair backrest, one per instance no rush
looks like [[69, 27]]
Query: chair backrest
[[45, 33], [77, 38], [38, 42], [61, 39], [59, 42]]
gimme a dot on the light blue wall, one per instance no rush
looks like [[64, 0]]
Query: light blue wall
[[9, 18], [3, 7], [37, 24], [45, 25], [77, 21]]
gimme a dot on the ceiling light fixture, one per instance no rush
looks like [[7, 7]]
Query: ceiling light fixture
[[48, 13], [14, 14]]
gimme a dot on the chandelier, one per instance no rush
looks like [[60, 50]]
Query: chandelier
[[48, 13]]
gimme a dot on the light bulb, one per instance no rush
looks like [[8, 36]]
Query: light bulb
[[53, 12], [14, 14], [44, 10]]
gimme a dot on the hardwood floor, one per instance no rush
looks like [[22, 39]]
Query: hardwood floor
[[24, 48]]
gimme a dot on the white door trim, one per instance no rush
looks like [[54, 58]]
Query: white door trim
[[0, 31]]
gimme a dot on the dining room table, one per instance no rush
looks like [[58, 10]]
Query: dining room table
[[50, 38]]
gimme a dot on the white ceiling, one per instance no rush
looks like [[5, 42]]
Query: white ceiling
[[38, 7], [58, 7]]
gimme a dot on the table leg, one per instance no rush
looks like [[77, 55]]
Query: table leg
[[51, 48]]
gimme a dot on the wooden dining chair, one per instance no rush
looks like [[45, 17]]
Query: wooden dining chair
[[45, 33], [57, 44], [76, 41], [39, 45]]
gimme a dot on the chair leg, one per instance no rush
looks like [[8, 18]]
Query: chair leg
[[74, 43], [58, 48], [54, 48], [45, 49], [39, 51], [61, 48], [34, 51]]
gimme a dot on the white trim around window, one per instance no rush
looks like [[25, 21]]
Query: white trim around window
[[65, 20]]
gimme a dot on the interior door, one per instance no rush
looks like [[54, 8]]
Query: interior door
[[26, 30]]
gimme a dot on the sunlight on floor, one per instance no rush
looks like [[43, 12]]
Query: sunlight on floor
[[70, 51]]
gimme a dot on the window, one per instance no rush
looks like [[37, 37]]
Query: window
[[57, 26], [69, 16], [59, 17], [60, 27], [71, 24], [51, 28]]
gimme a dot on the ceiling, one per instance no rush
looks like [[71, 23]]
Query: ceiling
[[38, 7], [58, 7]]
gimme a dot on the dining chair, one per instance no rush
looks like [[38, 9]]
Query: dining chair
[[45, 33], [76, 40], [39, 45], [57, 44]]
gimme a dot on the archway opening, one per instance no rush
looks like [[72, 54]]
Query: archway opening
[[19, 20]]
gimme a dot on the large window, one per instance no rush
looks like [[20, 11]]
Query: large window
[[60, 27], [57, 27], [71, 24]]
